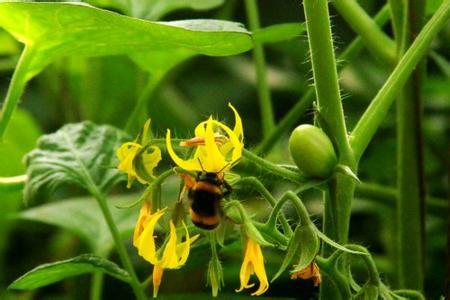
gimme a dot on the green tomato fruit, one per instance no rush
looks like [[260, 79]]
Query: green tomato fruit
[[312, 151]]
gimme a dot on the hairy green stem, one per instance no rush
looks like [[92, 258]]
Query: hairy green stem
[[260, 188], [341, 188], [376, 112], [138, 115], [16, 88], [265, 102], [96, 286], [298, 204], [410, 178], [294, 114], [375, 39], [126, 261], [273, 168], [336, 279]]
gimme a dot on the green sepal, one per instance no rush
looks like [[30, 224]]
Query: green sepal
[[332, 243], [309, 246], [178, 213], [368, 292], [409, 294], [252, 232], [215, 275], [291, 251], [145, 161], [346, 171], [143, 135]]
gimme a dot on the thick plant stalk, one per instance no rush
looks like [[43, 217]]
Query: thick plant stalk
[[294, 114], [378, 108], [265, 102], [410, 177], [340, 189]]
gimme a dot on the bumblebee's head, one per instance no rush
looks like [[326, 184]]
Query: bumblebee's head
[[211, 178]]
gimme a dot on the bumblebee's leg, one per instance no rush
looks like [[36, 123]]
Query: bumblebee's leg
[[227, 188]]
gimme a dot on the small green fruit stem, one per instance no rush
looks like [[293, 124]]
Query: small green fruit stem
[[375, 39], [410, 177], [138, 115], [339, 197], [265, 102], [126, 261], [376, 112], [16, 87]]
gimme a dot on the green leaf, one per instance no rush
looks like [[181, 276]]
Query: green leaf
[[309, 246], [61, 29], [82, 154], [83, 217], [156, 9], [336, 245], [46, 274], [279, 32], [52, 30], [160, 62]]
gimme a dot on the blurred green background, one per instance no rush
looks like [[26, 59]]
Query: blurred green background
[[105, 90]]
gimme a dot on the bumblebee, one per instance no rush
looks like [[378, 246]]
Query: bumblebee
[[205, 193]]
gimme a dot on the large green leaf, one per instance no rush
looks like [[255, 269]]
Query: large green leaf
[[82, 154], [52, 30], [156, 9], [83, 217], [57, 29], [53, 272]]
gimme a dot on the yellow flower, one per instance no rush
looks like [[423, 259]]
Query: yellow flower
[[218, 147], [137, 159], [310, 272], [253, 264], [175, 252]]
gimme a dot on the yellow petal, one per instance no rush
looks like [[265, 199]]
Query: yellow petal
[[253, 263], [238, 130], [146, 247], [213, 161], [169, 259], [183, 248], [126, 153], [260, 271], [200, 129], [144, 213], [233, 143], [190, 164]]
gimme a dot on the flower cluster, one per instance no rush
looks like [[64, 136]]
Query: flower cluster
[[217, 149]]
